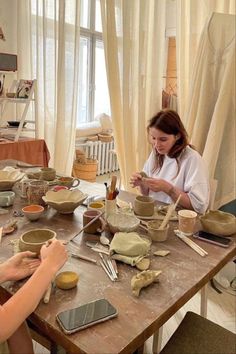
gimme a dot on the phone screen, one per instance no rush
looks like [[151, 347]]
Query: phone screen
[[86, 315], [206, 236]]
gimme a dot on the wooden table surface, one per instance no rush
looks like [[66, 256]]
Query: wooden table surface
[[184, 272]]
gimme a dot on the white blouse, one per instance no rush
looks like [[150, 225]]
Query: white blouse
[[192, 177]]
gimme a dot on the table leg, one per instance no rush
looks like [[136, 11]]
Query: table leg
[[203, 310], [157, 338]]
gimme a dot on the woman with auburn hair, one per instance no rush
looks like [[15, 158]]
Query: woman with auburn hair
[[173, 168]]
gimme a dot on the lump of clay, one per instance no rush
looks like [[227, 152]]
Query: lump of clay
[[143, 264], [161, 253], [144, 279]]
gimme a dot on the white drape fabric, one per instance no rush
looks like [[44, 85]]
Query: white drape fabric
[[211, 108], [48, 50], [134, 41], [206, 86], [191, 18]]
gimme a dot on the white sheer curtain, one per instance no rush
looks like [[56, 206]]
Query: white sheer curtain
[[48, 50], [134, 41]]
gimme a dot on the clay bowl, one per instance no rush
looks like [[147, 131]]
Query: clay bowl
[[64, 201], [156, 234], [144, 205], [219, 223], [66, 280], [9, 178], [33, 240], [119, 222], [33, 212]]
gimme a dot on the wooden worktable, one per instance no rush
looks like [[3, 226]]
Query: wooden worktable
[[184, 273]]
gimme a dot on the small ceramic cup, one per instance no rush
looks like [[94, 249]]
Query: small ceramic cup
[[110, 207], [96, 225], [99, 205], [156, 234], [36, 190], [69, 182], [144, 205], [187, 220], [6, 198], [47, 173]]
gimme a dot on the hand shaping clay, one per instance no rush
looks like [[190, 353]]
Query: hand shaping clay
[[143, 279], [161, 253]]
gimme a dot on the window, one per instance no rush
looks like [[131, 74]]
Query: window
[[93, 97], [93, 91]]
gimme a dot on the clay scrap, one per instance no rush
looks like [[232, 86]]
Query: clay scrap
[[161, 253], [143, 279]]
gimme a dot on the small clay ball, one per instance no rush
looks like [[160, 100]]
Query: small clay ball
[[66, 280], [143, 174]]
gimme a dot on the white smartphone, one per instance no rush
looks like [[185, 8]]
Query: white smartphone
[[215, 239], [86, 315]]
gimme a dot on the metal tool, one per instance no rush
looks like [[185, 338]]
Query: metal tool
[[80, 256]]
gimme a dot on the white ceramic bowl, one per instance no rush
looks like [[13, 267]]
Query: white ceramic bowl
[[33, 212], [64, 201], [122, 222], [219, 223], [9, 178]]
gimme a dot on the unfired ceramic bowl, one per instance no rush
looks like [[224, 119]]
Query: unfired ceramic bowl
[[33, 212], [122, 222], [64, 201], [144, 205], [9, 178], [219, 223], [66, 280], [33, 240]]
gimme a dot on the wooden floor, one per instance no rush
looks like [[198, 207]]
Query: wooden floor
[[221, 310]]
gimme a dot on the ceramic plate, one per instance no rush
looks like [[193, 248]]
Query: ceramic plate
[[159, 214]]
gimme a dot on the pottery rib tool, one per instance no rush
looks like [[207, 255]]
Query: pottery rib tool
[[169, 213], [88, 224]]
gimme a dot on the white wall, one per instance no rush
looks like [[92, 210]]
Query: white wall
[[8, 22]]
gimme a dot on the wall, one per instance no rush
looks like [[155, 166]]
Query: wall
[[8, 22]]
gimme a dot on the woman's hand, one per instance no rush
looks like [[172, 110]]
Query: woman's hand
[[54, 253], [19, 266], [136, 179], [156, 185]]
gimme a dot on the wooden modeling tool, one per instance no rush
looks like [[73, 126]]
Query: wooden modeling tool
[[169, 213]]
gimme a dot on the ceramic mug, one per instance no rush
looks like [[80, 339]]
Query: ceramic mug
[[99, 205], [94, 227], [6, 198], [144, 205], [22, 186], [36, 190], [187, 220], [69, 182]]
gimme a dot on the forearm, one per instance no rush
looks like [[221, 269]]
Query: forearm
[[24, 302], [174, 193]]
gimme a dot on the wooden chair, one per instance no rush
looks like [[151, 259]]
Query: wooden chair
[[197, 335]]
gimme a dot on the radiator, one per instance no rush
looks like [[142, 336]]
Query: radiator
[[104, 153]]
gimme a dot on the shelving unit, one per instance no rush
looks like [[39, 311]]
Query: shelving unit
[[5, 103]]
